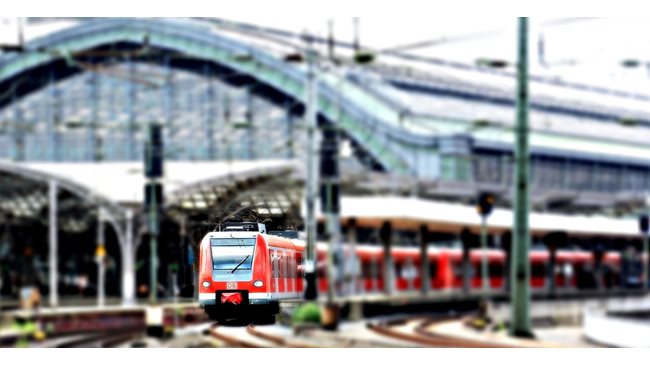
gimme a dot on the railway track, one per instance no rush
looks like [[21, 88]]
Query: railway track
[[102, 339], [253, 337], [417, 330]]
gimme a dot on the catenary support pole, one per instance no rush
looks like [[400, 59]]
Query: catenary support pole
[[54, 245], [311, 183], [520, 269]]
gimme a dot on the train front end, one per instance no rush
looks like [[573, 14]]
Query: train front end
[[232, 276]]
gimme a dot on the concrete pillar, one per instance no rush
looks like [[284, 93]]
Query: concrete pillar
[[385, 235], [100, 257], [311, 183], [128, 267], [54, 245], [353, 260]]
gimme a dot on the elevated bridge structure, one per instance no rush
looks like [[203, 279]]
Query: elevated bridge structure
[[84, 90]]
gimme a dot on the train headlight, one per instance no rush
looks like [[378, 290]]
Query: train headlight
[[206, 284], [258, 283]]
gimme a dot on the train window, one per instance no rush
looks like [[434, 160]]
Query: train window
[[366, 270], [232, 254], [398, 269], [538, 270], [433, 269], [458, 269], [376, 269], [496, 270], [273, 265], [409, 270], [282, 270], [285, 269], [299, 269], [289, 265]]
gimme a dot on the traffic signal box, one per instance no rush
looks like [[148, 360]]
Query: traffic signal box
[[154, 152], [485, 204]]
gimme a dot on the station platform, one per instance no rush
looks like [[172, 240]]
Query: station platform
[[458, 330]]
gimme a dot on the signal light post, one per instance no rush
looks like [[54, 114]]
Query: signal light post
[[484, 208], [153, 200]]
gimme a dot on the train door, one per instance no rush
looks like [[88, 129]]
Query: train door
[[282, 280], [357, 282], [434, 267], [497, 273], [300, 272], [377, 279], [291, 261], [418, 280], [366, 274], [409, 274], [321, 270], [398, 280], [274, 271]]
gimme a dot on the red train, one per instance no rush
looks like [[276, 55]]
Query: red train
[[244, 269]]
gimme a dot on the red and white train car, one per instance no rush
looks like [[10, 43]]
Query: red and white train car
[[239, 269], [251, 271]]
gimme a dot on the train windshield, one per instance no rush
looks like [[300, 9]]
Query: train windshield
[[232, 254]]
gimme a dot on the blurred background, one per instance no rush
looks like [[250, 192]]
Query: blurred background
[[123, 141]]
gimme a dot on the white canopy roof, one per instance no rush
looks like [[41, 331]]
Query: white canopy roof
[[123, 182], [412, 212]]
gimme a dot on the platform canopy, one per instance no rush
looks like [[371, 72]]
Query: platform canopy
[[409, 213], [123, 182]]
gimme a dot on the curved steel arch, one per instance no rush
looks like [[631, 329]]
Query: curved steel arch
[[382, 139]]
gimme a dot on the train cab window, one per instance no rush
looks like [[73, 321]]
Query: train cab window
[[232, 254]]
